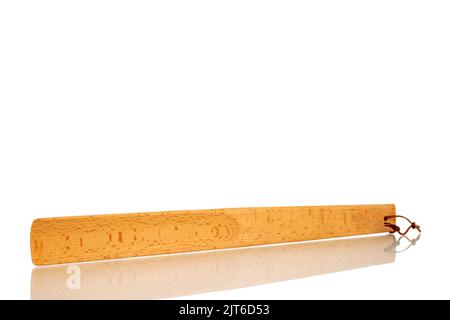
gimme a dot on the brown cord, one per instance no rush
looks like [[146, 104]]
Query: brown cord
[[396, 228]]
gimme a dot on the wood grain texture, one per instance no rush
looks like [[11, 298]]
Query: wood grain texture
[[99, 237]]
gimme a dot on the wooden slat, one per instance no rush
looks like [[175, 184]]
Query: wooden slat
[[87, 238]]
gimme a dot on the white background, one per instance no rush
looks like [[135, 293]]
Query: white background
[[127, 106]]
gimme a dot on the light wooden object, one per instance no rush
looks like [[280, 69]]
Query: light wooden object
[[176, 275], [99, 237]]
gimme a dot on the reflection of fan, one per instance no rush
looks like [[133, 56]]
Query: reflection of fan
[[175, 275]]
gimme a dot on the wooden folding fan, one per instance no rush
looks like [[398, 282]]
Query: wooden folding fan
[[100, 237]]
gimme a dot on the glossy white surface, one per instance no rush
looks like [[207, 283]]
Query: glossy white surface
[[179, 275], [113, 106]]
